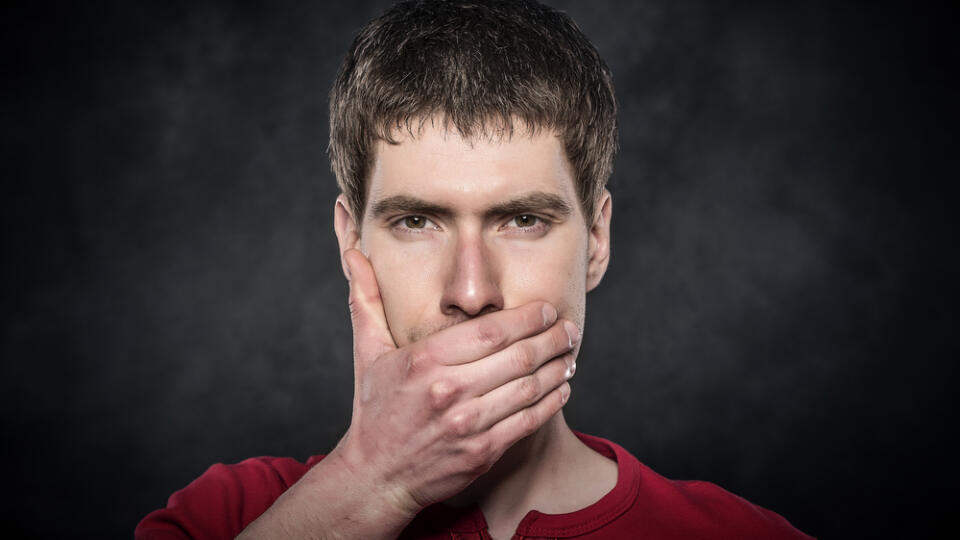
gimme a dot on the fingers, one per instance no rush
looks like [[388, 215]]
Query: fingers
[[371, 334], [513, 411], [521, 359], [522, 393], [483, 336], [525, 422]]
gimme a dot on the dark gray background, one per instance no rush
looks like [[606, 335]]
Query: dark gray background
[[778, 316]]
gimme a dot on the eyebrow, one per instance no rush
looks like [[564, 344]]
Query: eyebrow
[[405, 204], [536, 201]]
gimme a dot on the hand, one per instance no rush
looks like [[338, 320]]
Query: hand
[[431, 417]]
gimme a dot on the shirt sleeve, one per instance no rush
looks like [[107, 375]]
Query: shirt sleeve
[[729, 515], [222, 501]]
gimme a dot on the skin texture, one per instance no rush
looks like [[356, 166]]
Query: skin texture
[[468, 276]]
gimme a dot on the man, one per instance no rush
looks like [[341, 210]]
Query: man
[[472, 142]]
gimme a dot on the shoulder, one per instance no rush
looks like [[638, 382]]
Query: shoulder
[[668, 508], [705, 510], [223, 500]]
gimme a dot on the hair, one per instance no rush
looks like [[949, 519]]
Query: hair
[[480, 67]]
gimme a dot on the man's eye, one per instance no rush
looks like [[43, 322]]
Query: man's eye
[[411, 224], [526, 225], [525, 221], [415, 222]]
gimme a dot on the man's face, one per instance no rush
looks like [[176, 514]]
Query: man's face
[[455, 229]]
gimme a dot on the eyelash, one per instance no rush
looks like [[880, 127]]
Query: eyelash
[[401, 226], [540, 225]]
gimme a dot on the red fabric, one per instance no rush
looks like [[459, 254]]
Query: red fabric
[[226, 498]]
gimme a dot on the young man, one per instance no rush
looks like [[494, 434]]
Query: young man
[[472, 142]]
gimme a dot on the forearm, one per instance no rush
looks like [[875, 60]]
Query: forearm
[[331, 502]]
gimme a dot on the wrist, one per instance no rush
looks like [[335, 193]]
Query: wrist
[[383, 501]]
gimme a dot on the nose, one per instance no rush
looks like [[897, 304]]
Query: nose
[[473, 285]]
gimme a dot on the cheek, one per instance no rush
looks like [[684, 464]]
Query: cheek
[[406, 290], [555, 275]]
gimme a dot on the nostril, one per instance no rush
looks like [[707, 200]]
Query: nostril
[[467, 311], [489, 308]]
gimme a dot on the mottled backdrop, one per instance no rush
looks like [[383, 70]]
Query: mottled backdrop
[[777, 317]]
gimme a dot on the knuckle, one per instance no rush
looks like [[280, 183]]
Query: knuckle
[[524, 357], [442, 392], [478, 453], [529, 422], [460, 425], [490, 333], [529, 389], [358, 300], [354, 307]]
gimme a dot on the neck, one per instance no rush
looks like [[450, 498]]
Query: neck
[[551, 471]]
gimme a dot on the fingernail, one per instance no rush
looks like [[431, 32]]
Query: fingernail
[[571, 368], [564, 393], [346, 267], [573, 333], [549, 314]]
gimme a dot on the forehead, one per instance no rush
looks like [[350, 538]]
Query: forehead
[[439, 165]]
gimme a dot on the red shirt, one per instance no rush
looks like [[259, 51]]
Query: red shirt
[[226, 498]]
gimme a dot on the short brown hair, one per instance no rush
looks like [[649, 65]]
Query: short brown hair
[[480, 66]]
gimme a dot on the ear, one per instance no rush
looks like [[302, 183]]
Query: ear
[[347, 229], [598, 252]]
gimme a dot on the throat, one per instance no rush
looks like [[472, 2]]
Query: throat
[[551, 471]]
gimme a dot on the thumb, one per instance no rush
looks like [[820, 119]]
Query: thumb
[[371, 334]]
